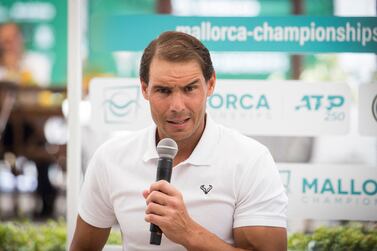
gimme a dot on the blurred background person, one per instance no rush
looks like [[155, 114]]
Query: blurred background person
[[17, 65], [21, 68]]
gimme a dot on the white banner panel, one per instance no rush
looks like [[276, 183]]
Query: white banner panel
[[330, 192], [368, 109], [281, 107], [118, 104], [252, 107]]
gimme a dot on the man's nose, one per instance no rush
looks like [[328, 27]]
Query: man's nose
[[177, 102]]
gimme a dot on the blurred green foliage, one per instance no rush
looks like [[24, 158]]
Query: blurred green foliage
[[50, 236], [25, 236], [351, 237]]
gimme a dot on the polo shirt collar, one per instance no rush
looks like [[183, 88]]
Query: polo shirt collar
[[203, 151], [151, 150]]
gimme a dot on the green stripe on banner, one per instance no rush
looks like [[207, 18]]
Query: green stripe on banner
[[285, 34]]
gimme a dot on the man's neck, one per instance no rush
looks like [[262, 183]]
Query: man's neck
[[184, 152], [187, 146]]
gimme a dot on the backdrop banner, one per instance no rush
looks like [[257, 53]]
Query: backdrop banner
[[330, 192], [252, 107], [118, 104], [283, 34]]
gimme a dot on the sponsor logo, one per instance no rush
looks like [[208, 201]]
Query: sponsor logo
[[330, 106], [245, 101], [121, 103], [339, 186], [339, 191], [318, 102], [246, 106], [206, 189]]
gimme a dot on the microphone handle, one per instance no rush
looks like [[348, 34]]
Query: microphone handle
[[164, 171]]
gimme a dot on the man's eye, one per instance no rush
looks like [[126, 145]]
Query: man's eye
[[163, 90], [189, 88]]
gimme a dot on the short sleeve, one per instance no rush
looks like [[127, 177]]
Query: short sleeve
[[95, 206], [261, 198]]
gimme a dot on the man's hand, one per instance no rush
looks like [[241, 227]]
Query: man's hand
[[166, 209]]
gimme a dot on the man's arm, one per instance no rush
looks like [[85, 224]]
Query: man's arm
[[261, 238], [255, 238], [165, 208], [88, 237]]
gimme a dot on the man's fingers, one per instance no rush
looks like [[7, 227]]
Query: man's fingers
[[157, 197], [165, 187], [154, 208], [155, 219]]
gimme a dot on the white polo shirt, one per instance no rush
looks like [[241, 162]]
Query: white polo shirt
[[229, 181]]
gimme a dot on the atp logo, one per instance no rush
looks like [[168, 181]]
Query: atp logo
[[317, 102], [121, 103], [374, 108]]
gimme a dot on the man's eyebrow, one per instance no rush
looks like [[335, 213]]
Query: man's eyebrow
[[160, 86], [193, 82]]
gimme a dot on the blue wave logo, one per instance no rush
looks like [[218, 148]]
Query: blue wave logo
[[121, 103]]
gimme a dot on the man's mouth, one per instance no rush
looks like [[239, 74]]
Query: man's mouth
[[178, 121]]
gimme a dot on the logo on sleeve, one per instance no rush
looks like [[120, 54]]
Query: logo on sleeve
[[206, 189]]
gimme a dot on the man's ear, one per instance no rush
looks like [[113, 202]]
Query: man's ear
[[211, 84], [144, 89]]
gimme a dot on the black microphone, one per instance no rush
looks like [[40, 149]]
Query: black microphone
[[166, 149]]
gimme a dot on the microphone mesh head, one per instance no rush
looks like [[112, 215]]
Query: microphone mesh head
[[167, 148]]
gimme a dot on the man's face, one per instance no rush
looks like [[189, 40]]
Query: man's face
[[177, 94]]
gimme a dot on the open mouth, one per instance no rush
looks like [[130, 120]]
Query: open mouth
[[178, 122]]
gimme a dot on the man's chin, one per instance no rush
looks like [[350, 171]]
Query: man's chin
[[177, 136]]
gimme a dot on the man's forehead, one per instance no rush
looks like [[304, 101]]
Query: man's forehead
[[158, 65], [175, 72]]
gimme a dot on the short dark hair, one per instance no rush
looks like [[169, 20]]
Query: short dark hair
[[175, 46]]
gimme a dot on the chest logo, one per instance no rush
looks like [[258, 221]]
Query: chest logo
[[206, 189]]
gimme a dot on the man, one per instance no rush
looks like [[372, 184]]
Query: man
[[225, 192]]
